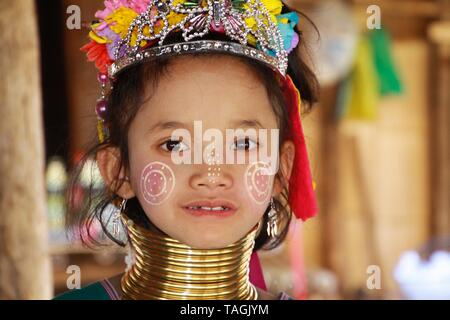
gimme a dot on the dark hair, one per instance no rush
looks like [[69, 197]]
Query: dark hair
[[123, 104]]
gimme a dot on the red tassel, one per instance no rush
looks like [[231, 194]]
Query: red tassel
[[302, 199]]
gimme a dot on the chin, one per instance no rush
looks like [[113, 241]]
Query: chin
[[209, 240]]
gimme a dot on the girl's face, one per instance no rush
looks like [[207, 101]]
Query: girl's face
[[213, 203]]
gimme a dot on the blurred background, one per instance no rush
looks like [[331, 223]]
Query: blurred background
[[379, 143]]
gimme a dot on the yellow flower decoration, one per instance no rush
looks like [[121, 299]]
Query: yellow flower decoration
[[94, 36], [175, 18], [251, 40], [120, 20], [273, 6]]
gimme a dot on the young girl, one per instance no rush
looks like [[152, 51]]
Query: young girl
[[200, 147]]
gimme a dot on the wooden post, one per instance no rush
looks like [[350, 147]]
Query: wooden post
[[82, 87], [439, 33], [25, 269]]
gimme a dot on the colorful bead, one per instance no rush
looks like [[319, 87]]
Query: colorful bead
[[101, 108], [102, 78]]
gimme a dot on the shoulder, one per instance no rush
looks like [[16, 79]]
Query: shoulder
[[284, 296], [100, 290], [264, 295]]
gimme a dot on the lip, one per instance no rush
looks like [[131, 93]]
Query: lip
[[232, 208]]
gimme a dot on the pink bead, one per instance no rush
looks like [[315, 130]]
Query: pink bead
[[101, 109], [102, 78]]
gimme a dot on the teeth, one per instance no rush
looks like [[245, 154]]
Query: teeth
[[209, 208]]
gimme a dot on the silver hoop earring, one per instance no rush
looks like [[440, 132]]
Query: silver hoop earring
[[272, 220], [117, 222]]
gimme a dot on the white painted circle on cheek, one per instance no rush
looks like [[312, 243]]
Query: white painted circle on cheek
[[157, 182], [257, 182]]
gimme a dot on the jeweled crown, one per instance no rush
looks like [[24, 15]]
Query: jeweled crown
[[132, 31], [197, 19]]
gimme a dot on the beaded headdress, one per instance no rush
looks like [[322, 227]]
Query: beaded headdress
[[129, 32]]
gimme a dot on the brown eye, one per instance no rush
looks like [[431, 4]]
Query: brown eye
[[174, 145], [244, 144]]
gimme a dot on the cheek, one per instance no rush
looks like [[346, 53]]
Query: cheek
[[157, 182], [258, 182]]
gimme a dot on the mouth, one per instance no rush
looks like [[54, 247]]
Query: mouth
[[219, 208]]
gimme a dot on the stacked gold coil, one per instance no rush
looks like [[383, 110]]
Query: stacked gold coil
[[166, 269]]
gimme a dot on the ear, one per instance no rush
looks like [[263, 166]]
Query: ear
[[287, 155], [113, 173]]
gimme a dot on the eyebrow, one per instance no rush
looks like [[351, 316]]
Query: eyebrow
[[252, 123], [164, 125]]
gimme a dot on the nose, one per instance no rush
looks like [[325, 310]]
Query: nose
[[211, 178]]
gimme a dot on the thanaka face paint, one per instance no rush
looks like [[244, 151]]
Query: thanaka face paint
[[157, 182], [212, 159], [258, 181]]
